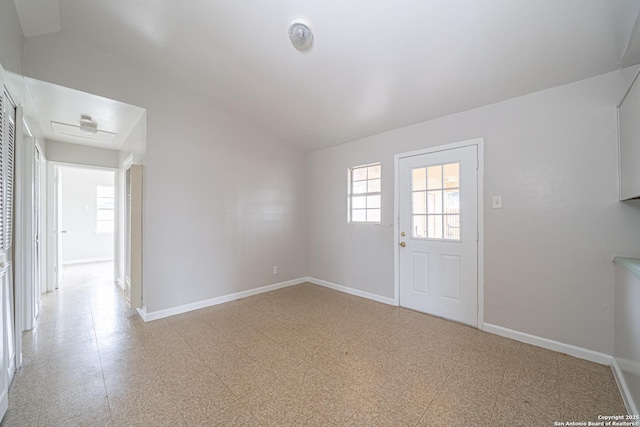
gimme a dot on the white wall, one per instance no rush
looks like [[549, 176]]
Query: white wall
[[223, 201], [81, 242], [552, 156], [57, 151]]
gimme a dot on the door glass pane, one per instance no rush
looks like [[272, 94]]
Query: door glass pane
[[373, 215], [374, 186], [452, 227], [420, 202], [358, 202], [434, 202], [373, 202], [419, 179], [452, 175], [435, 226], [374, 172], [359, 215], [452, 201], [359, 187], [420, 226], [434, 177], [359, 174]]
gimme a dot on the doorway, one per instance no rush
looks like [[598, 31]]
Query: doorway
[[438, 232], [86, 223]]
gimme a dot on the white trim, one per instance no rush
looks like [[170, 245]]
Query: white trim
[[160, 314], [87, 260], [622, 386], [572, 350], [119, 283], [352, 291], [479, 143]]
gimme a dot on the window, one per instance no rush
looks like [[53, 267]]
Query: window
[[436, 202], [104, 222], [364, 193]]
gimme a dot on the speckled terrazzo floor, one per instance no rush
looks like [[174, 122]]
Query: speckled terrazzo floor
[[303, 355]]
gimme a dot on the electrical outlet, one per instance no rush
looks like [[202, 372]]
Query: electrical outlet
[[275, 269]]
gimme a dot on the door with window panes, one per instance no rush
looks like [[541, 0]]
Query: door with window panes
[[438, 225]]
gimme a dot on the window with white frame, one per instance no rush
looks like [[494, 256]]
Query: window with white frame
[[365, 193], [105, 211]]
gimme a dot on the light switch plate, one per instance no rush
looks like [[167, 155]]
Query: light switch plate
[[496, 202]]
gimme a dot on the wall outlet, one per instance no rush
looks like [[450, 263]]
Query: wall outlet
[[275, 269]]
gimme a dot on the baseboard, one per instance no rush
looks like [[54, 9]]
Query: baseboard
[[352, 291], [160, 314], [582, 353], [624, 389], [86, 261]]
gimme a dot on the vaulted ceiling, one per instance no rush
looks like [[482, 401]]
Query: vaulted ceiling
[[375, 65]]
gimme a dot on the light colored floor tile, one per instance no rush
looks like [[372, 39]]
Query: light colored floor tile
[[300, 356]]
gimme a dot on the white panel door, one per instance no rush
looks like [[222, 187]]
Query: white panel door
[[438, 222]]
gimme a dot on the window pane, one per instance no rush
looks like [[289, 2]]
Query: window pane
[[359, 174], [359, 202], [358, 215], [419, 179], [105, 202], [452, 227], [420, 226], [105, 215], [360, 187], [434, 202], [452, 175], [434, 177], [374, 172], [373, 202], [435, 226], [452, 201], [103, 191], [420, 202], [374, 186], [373, 215], [104, 227]]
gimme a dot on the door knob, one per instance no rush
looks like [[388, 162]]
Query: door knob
[[403, 234], [403, 244]]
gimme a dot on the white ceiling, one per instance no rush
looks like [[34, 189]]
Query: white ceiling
[[57, 106], [375, 65]]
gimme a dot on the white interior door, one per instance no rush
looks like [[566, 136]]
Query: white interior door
[[7, 331], [438, 225]]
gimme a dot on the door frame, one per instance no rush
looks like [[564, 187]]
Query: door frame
[[479, 143], [53, 203]]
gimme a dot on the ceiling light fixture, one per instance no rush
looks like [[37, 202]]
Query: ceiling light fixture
[[300, 35], [87, 125]]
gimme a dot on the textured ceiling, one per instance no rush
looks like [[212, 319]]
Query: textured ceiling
[[375, 65]]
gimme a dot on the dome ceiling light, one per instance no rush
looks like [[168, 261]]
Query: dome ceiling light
[[300, 35], [87, 125]]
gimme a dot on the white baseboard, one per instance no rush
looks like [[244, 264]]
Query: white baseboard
[[352, 291], [624, 389], [86, 261], [154, 315], [582, 353]]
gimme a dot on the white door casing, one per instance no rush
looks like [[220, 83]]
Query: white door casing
[[437, 206]]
